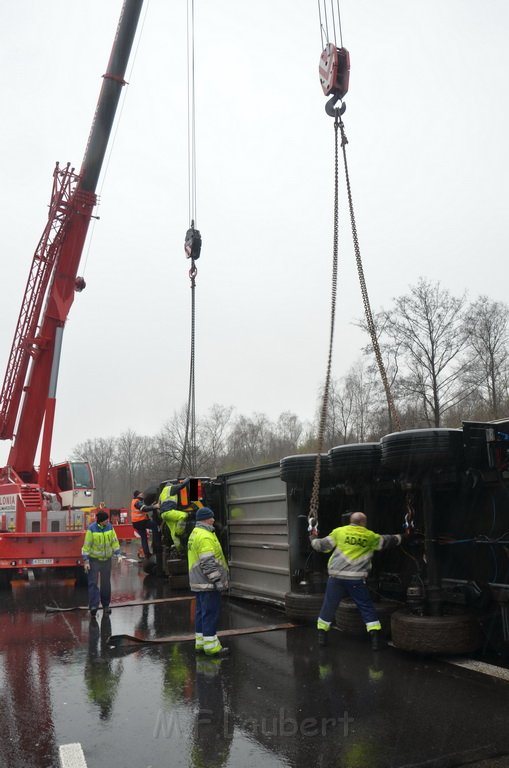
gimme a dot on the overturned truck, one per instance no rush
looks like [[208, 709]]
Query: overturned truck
[[445, 590]]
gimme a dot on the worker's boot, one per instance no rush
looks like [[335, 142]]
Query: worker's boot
[[322, 637], [376, 639]]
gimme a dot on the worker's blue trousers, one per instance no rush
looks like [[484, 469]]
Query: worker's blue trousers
[[99, 569], [208, 608], [337, 589]]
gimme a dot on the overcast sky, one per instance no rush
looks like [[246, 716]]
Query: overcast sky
[[426, 121]]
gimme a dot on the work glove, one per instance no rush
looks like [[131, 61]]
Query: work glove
[[119, 558], [86, 566]]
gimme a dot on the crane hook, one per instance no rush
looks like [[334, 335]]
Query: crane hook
[[331, 108]]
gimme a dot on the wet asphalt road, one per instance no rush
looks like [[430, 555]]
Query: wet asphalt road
[[278, 701]]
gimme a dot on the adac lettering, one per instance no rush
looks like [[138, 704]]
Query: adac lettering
[[360, 541]]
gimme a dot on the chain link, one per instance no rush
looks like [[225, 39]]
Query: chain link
[[393, 414], [315, 493]]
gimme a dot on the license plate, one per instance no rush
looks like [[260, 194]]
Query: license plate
[[43, 561]]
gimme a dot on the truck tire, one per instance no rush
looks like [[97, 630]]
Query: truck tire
[[301, 468], [349, 620], [354, 461], [414, 450], [435, 634], [303, 607]]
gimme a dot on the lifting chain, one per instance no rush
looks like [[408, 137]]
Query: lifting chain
[[315, 493], [339, 128], [393, 414]]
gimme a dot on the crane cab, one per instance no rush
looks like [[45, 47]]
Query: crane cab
[[73, 481]]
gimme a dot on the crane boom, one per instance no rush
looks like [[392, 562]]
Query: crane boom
[[43, 509], [25, 343], [54, 274]]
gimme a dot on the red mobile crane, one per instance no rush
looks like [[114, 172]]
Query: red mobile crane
[[41, 508]]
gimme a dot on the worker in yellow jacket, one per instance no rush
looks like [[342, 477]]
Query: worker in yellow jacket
[[100, 546], [352, 547], [208, 578], [173, 513]]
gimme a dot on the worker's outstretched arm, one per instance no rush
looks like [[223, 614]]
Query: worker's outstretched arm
[[178, 486], [326, 544], [389, 541]]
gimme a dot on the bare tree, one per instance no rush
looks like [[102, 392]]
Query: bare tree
[[382, 417], [486, 325], [170, 444], [361, 385], [344, 404], [131, 458], [286, 436], [336, 414], [427, 327], [213, 437], [250, 440]]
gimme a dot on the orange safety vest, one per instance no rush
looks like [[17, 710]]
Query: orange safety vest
[[136, 515]]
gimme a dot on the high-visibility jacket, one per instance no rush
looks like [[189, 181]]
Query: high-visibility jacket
[[352, 549], [172, 513], [168, 499], [136, 514], [100, 543], [208, 568], [175, 495]]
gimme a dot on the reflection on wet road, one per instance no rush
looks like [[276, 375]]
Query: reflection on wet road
[[278, 701]]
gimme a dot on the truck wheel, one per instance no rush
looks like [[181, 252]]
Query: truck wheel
[[435, 634], [303, 607], [355, 461], [418, 449], [349, 619], [301, 468]]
